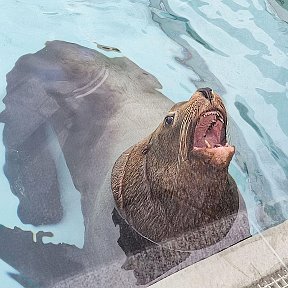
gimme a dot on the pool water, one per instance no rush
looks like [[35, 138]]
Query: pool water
[[239, 48]]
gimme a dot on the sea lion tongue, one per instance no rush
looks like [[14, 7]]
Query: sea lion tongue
[[210, 131]]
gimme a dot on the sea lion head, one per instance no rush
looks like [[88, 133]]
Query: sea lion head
[[194, 130], [177, 179]]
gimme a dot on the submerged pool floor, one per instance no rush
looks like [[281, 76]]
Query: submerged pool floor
[[239, 48]]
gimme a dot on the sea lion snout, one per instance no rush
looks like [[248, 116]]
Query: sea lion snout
[[206, 137], [206, 92]]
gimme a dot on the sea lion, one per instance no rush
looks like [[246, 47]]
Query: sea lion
[[95, 107], [176, 180]]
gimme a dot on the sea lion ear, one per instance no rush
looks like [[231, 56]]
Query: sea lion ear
[[146, 148]]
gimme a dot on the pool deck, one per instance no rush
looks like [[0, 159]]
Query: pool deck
[[241, 265]]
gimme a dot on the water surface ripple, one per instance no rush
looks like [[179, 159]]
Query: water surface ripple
[[239, 48]]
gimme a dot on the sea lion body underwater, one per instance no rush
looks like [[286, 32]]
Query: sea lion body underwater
[[176, 180], [95, 107]]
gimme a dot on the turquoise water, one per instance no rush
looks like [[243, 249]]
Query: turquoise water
[[239, 48]]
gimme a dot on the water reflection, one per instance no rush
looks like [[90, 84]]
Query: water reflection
[[208, 44], [175, 27]]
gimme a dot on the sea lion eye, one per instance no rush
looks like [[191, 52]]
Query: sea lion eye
[[169, 120]]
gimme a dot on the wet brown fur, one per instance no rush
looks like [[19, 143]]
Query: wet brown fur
[[164, 189]]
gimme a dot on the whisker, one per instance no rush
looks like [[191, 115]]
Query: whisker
[[228, 133], [183, 149]]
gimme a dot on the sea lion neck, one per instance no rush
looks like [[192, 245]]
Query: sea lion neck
[[196, 196], [204, 169], [187, 181]]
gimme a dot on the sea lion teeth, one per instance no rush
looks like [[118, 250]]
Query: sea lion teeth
[[220, 119], [207, 144], [212, 113]]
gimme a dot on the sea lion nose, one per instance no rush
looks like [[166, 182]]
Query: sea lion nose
[[206, 92]]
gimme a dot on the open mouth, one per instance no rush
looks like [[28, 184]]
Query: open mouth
[[210, 139], [210, 131]]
